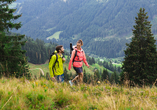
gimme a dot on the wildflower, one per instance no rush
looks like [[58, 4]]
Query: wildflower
[[98, 82], [36, 83], [44, 85]]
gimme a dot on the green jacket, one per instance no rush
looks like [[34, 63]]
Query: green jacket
[[58, 68]]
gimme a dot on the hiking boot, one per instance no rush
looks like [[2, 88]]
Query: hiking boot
[[71, 83]]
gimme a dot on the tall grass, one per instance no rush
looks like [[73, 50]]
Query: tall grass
[[17, 94]]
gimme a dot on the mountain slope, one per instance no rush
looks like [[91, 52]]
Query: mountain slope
[[107, 23]]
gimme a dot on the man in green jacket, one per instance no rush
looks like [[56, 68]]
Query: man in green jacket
[[56, 71]]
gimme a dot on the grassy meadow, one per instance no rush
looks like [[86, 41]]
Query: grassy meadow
[[55, 35], [34, 69], [21, 94]]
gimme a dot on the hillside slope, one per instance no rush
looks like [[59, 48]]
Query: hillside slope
[[21, 94], [104, 25]]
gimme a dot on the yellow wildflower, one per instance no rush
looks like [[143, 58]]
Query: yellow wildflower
[[98, 82], [36, 83]]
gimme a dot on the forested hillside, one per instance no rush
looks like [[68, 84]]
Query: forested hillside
[[104, 25], [38, 52]]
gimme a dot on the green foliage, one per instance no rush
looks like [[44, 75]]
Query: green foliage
[[48, 76], [96, 75], [105, 75], [103, 25], [90, 60], [66, 75], [13, 94], [13, 61], [38, 52], [140, 62], [114, 78], [84, 76], [34, 100]]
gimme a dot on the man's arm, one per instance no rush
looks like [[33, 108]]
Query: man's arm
[[51, 63]]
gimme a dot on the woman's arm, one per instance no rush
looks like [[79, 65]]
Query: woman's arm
[[71, 59], [84, 59]]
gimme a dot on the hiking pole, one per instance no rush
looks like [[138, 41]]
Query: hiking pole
[[71, 49]]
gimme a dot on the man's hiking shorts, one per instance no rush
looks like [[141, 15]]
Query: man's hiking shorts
[[78, 70]]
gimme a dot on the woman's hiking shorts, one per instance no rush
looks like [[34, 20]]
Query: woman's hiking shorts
[[78, 70]]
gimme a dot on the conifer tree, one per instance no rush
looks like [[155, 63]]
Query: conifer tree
[[96, 75], [12, 58], [140, 62], [115, 77], [105, 75], [112, 79], [85, 76]]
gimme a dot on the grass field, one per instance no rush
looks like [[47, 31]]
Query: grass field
[[21, 94], [117, 65], [55, 35], [45, 68]]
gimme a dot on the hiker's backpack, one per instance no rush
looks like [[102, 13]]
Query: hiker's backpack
[[53, 53]]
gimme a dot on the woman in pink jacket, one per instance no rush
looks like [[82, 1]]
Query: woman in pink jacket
[[78, 57]]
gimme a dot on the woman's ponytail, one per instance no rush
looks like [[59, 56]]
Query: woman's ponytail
[[80, 41]]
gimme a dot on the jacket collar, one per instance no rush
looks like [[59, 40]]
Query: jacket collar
[[78, 50]]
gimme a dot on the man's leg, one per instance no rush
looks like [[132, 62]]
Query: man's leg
[[57, 78], [61, 78]]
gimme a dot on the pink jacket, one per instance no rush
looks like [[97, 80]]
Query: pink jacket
[[78, 59]]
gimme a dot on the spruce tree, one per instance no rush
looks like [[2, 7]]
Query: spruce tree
[[115, 77], [85, 76], [96, 75], [140, 61], [112, 79], [12, 59], [105, 75]]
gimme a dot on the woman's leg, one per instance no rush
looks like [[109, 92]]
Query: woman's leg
[[81, 77], [76, 77]]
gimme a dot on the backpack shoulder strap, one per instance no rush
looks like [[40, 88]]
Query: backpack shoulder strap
[[56, 60], [75, 55]]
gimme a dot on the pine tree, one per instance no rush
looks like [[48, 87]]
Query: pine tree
[[112, 79], [93, 60], [140, 61], [12, 59], [105, 75], [115, 77], [85, 77], [96, 75]]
